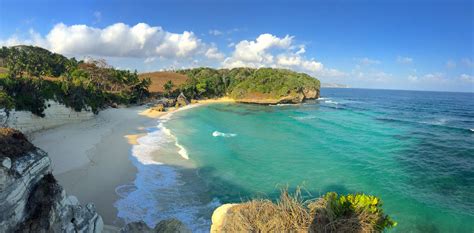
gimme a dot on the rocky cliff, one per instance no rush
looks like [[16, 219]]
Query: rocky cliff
[[55, 115], [293, 97], [30, 198]]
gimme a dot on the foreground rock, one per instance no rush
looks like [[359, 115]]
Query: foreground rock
[[181, 101], [169, 225], [30, 198]]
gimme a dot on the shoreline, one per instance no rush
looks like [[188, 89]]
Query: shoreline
[[93, 158], [149, 112]]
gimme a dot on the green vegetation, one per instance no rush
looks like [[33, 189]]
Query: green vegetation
[[361, 212], [331, 213], [168, 86], [244, 82], [36, 75]]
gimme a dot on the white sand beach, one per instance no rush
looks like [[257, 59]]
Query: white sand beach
[[90, 159]]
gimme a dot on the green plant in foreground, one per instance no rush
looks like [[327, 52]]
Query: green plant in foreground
[[291, 213], [367, 209]]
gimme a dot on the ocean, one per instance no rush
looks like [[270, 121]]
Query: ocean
[[413, 149]]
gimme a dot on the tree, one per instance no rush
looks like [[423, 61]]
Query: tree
[[168, 86]]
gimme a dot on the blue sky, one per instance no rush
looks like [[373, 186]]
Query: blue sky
[[422, 45]]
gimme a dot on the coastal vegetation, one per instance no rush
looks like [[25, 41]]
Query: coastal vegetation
[[248, 83], [35, 75], [30, 76], [291, 213]]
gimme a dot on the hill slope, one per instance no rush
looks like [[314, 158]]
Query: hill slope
[[261, 86], [158, 80]]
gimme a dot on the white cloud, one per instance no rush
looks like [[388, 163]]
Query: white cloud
[[413, 78], [367, 61], [433, 78], [213, 53], [301, 51], [118, 40], [256, 53], [467, 78], [215, 32], [271, 51], [149, 60], [404, 60]]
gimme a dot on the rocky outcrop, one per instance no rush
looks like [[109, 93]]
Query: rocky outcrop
[[219, 217], [165, 226], [311, 93], [158, 107], [294, 97], [181, 101], [32, 201]]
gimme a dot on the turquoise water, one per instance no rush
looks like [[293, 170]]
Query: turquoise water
[[413, 149]]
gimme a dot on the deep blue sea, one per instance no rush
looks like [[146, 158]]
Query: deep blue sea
[[413, 149]]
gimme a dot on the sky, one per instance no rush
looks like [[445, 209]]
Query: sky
[[411, 45]]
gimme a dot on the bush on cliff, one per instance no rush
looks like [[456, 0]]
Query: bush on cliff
[[331, 213], [36, 75], [243, 82]]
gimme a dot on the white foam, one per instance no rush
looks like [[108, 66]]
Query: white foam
[[220, 134], [182, 151], [168, 115], [157, 192], [305, 117], [472, 130], [330, 102]]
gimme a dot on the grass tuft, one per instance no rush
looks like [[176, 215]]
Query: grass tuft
[[290, 213]]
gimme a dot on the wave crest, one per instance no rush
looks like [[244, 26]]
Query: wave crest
[[225, 135]]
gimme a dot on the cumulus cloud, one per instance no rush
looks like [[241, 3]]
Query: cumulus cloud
[[213, 53], [257, 53], [268, 50], [119, 40], [151, 43], [404, 60]]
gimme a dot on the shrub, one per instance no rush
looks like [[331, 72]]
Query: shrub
[[240, 82], [290, 213], [36, 75], [349, 213]]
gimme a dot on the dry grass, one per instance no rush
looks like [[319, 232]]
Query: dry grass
[[158, 79], [292, 214], [288, 214]]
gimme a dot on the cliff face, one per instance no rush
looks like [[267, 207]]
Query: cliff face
[[55, 115], [32, 201]]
